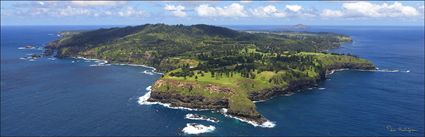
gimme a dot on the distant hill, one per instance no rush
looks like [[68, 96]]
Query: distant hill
[[159, 41], [299, 26]]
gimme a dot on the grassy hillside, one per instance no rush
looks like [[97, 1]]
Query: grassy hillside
[[151, 44], [215, 67], [236, 87]]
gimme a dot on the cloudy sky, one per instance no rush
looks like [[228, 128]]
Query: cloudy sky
[[212, 12]]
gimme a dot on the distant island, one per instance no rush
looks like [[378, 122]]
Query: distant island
[[299, 26], [216, 68]]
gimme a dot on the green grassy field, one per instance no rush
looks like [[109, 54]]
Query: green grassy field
[[214, 62]]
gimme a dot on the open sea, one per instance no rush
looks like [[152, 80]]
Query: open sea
[[72, 97]]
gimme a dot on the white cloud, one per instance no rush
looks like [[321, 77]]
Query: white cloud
[[68, 9], [295, 11], [98, 3], [347, 9], [40, 2], [71, 11], [65, 11], [293, 8], [131, 12], [177, 11], [331, 13], [421, 9], [245, 1], [173, 8], [267, 11], [233, 10], [367, 9]]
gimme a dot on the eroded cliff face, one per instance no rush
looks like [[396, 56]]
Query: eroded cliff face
[[306, 83], [251, 114], [178, 100], [359, 66], [200, 102], [254, 116], [213, 97], [266, 94], [194, 58]]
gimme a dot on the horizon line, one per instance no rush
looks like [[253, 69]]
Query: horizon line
[[390, 25]]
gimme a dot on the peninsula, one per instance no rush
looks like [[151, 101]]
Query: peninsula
[[211, 67]]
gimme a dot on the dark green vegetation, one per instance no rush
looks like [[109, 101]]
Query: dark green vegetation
[[214, 67]]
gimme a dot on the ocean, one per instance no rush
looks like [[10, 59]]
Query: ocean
[[74, 97]]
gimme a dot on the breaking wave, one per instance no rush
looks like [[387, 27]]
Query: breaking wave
[[267, 124], [391, 71], [106, 63], [143, 100], [27, 48], [153, 71], [100, 64], [193, 128], [259, 101], [148, 72], [335, 70], [377, 70], [289, 94], [201, 117]]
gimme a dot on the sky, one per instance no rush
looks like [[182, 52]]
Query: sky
[[380, 13]]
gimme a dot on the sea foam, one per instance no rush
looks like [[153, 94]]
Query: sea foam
[[267, 124], [106, 63], [148, 72], [99, 64], [388, 70], [200, 117], [27, 48], [394, 71], [193, 128], [376, 70], [289, 94], [143, 100], [258, 101]]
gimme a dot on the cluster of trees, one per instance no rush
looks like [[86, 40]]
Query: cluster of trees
[[343, 54], [185, 71], [219, 50]]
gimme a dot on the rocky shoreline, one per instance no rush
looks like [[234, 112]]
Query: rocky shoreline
[[306, 67], [202, 103], [176, 100], [196, 102], [199, 102]]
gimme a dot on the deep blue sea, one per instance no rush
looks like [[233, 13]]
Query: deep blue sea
[[70, 97]]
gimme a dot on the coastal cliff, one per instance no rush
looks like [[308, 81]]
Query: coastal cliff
[[177, 99], [215, 68]]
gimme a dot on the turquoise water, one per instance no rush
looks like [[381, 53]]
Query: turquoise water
[[71, 97]]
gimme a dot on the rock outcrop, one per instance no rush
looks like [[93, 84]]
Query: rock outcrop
[[200, 102], [197, 102]]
